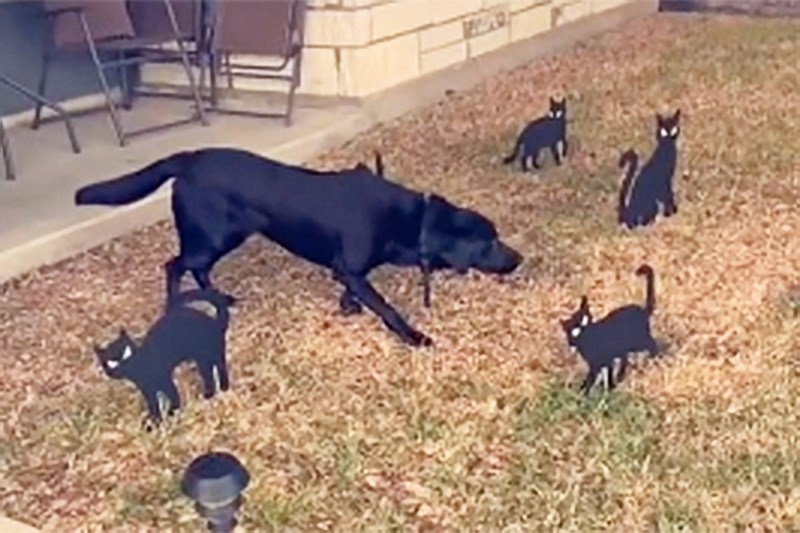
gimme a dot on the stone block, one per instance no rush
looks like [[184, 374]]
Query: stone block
[[443, 57], [438, 36], [488, 41], [529, 23], [370, 69], [447, 10], [338, 28], [401, 16]]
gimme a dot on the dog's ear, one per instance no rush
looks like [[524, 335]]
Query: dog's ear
[[446, 233]]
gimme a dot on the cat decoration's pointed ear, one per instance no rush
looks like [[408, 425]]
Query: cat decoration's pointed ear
[[127, 353], [584, 302], [97, 349], [552, 101], [122, 332], [677, 115]]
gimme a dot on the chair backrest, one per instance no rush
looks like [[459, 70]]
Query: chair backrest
[[151, 19], [268, 27], [106, 19]]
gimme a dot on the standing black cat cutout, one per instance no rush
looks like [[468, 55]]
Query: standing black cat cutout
[[544, 132], [182, 334], [621, 332], [653, 186]]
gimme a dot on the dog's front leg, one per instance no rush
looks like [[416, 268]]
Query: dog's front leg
[[362, 289]]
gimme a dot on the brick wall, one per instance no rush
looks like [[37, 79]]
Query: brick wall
[[358, 47]]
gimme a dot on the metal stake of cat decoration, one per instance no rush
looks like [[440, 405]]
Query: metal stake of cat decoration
[[182, 334]]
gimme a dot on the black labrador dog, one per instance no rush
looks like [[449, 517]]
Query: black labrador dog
[[350, 221]]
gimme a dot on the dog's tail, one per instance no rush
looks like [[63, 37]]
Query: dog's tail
[[378, 164], [221, 302], [630, 159], [650, 299], [135, 186], [513, 155]]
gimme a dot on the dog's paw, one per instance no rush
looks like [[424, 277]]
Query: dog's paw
[[350, 308], [418, 339]]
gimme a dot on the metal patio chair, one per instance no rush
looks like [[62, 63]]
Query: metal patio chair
[[120, 35], [272, 28], [5, 147]]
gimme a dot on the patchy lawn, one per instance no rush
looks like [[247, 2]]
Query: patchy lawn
[[344, 429]]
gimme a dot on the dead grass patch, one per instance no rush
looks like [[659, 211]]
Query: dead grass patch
[[344, 429]]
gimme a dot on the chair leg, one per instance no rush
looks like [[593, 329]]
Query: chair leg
[[6, 149], [229, 70], [187, 67], [37, 114], [127, 97], [294, 83], [201, 115], [112, 108], [213, 65]]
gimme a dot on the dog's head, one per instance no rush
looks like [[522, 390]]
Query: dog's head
[[462, 239]]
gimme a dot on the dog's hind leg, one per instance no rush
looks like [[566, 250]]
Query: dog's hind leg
[[348, 304], [174, 270]]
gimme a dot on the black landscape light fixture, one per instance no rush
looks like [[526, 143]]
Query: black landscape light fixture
[[215, 481]]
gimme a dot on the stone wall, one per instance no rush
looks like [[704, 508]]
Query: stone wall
[[355, 48]]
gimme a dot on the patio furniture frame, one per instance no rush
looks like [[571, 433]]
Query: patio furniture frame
[[269, 28], [41, 101], [110, 27]]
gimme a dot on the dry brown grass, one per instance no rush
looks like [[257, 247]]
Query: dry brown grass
[[344, 429]]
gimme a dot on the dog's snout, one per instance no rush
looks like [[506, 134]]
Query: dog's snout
[[511, 258]]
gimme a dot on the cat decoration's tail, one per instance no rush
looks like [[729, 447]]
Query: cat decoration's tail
[[650, 299], [631, 160], [135, 186], [221, 302], [378, 164], [513, 155]]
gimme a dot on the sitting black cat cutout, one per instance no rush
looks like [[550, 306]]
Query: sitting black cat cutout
[[621, 332], [544, 132], [183, 333], [653, 186]]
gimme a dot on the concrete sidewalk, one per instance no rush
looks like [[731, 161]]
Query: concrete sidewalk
[[39, 224]]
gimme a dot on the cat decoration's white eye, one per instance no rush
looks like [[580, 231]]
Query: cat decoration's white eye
[[551, 114], [674, 131], [576, 332], [558, 114], [112, 363], [127, 353], [663, 132], [585, 320]]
